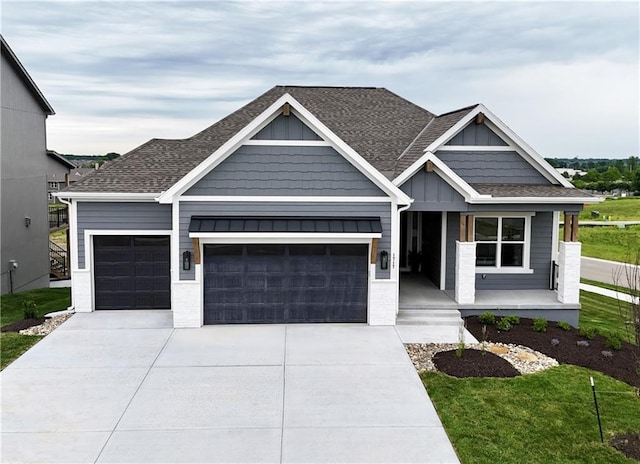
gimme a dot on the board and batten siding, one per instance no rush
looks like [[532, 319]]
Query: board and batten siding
[[301, 209], [286, 128], [491, 167], [431, 193], [285, 171], [477, 134], [119, 216], [540, 257]]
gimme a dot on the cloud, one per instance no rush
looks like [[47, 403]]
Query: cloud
[[167, 69]]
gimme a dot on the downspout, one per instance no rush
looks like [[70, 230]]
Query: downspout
[[72, 308]]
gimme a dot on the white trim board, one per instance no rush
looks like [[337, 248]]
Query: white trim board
[[475, 148], [284, 199], [107, 196], [286, 143], [261, 121]]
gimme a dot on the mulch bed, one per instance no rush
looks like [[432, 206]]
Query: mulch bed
[[628, 444], [473, 363], [621, 364], [23, 324]]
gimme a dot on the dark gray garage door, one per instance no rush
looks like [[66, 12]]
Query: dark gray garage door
[[132, 272], [285, 283]]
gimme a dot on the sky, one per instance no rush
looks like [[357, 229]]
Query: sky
[[563, 75]]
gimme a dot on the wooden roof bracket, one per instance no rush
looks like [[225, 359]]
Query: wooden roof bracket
[[480, 118], [286, 109]]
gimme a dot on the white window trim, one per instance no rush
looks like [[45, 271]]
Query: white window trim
[[526, 252]]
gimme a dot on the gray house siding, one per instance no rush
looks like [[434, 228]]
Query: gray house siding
[[119, 216], [285, 171], [477, 134], [286, 128], [540, 258], [188, 209], [491, 167], [431, 193], [23, 185]]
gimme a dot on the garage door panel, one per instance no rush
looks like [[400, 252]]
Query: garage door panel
[[285, 283], [132, 272]]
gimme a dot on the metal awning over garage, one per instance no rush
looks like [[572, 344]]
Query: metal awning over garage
[[370, 226]]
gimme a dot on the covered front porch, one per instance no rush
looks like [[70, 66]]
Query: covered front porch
[[418, 295]]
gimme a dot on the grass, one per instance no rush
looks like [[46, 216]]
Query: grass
[[602, 313], [621, 209], [615, 288], [538, 418], [12, 345], [59, 237], [611, 243], [46, 299]]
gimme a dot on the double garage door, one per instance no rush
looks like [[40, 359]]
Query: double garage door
[[132, 272], [274, 283]]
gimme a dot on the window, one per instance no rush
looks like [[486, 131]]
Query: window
[[502, 242]]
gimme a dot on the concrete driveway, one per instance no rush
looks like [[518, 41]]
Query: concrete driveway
[[126, 387]]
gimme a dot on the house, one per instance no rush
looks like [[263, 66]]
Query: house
[[58, 173], [24, 167], [305, 206]]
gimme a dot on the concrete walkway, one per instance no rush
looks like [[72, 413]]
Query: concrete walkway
[[126, 387]]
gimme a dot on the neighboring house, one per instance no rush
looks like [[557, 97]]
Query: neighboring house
[[58, 171], [25, 227], [306, 205], [570, 173]]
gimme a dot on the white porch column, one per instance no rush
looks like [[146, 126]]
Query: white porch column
[[569, 272], [465, 272]]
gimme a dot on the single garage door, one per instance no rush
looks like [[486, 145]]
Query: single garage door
[[132, 272], [285, 283]]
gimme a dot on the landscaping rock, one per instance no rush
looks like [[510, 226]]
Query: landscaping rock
[[47, 326]]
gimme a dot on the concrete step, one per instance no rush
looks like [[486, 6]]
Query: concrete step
[[435, 317]]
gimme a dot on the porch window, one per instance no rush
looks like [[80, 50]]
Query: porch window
[[502, 242]]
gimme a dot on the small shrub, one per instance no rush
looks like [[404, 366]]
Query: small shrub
[[512, 319], [588, 332], [503, 325], [539, 325], [29, 309], [487, 318], [614, 341], [564, 326]]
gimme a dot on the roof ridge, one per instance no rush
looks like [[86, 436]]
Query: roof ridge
[[330, 87], [459, 109], [416, 138]]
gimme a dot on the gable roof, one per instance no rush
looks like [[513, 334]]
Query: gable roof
[[432, 131], [24, 76], [376, 123], [60, 159]]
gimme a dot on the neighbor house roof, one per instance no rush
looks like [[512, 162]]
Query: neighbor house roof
[[24, 76], [61, 159], [375, 122]]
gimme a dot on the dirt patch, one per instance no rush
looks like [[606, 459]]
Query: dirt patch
[[473, 363], [628, 444], [568, 347], [21, 325]]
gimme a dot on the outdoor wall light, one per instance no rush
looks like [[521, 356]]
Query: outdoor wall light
[[384, 260], [27, 221], [186, 260]]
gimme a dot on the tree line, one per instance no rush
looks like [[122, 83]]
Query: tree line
[[602, 174]]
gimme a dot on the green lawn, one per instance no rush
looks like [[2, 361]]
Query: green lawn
[[602, 313], [539, 418], [12, 345], [621, 209], [610, 242]]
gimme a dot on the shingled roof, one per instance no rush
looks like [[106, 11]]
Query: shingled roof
[[529, 190], [434, 129], [376, 123]]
